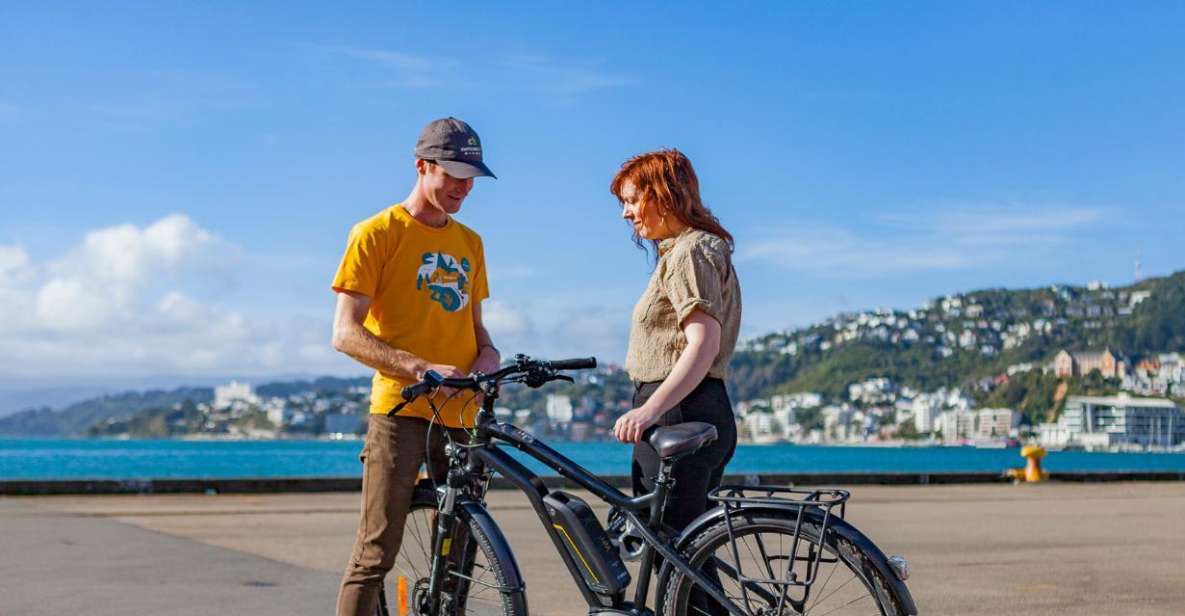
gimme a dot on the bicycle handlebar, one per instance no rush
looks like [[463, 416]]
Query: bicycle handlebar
[[579, 363], [522, 365]]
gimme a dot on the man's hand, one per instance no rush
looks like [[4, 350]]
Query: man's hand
[[629, 427], [445, 370]]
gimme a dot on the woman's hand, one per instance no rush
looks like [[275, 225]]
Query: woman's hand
[[629, 427]]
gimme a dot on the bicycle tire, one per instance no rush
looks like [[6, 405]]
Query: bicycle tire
[[417, 546], [872, 594]]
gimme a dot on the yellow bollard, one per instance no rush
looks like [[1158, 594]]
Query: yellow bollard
[[1033, 471]]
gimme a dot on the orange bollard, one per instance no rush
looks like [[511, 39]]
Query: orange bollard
[[401, 591]]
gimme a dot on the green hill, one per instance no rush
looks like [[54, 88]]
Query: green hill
[[965, 340], [959, 340]]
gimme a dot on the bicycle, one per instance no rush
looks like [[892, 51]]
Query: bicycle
[[772, 550]]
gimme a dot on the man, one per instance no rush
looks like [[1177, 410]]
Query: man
[[409, 292]]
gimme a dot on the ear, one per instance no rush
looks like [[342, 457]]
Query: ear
[[421, 166]]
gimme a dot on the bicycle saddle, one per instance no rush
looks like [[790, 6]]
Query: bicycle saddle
[[681, 439]]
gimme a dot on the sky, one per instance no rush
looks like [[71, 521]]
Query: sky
[[177, 179]]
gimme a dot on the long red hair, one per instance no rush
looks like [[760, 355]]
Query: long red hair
[[665, 179]]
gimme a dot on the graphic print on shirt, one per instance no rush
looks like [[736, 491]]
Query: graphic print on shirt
[[445, 279]]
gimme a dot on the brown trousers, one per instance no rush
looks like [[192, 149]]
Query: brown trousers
[[395, 449]]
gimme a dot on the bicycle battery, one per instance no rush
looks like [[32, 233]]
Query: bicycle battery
[[588, 543]]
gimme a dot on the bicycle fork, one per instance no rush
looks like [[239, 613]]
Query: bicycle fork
[[442, 546]]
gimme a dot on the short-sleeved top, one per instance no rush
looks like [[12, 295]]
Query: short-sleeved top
[[423, 283], [694, 270]]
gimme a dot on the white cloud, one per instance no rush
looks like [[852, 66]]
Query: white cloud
[[398, 59], [948, 239], [132, 301], [138, 301], [557, 328], [549, 78], [502, 320], [12, 259], [411, 70], [562, 82]]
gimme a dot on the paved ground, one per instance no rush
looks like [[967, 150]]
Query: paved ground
[[983, 549]]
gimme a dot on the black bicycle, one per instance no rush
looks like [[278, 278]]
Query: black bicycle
[[763, 551]]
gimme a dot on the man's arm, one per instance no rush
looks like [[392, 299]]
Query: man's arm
[[488, 358], [351, 338]]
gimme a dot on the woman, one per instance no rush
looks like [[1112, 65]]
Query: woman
[[684, 327]]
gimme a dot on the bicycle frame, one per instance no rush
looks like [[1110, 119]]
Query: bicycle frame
[[483, 455]]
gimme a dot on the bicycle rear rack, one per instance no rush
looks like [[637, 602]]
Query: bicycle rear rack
[[827, 502]]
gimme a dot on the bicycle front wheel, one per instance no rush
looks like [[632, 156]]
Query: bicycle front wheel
[[475, 584], [753, 575]]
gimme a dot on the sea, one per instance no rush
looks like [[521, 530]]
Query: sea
[[50, 459]]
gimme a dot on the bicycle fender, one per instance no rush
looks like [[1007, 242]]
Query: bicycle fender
[[835, 524], [502, 553]]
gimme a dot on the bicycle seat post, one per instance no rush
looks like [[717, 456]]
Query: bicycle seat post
[[663, 482]]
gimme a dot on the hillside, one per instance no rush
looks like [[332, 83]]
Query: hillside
[[960, 339], [968, 340], [110, 411]]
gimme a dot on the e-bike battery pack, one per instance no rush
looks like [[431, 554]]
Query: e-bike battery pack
[[586, 540]]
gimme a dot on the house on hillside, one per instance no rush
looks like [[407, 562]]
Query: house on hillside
[[1081, 363]]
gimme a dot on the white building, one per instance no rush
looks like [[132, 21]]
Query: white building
[[226, 395], [872, 391], [957, 424], [996, 423], [276, 411], [559, 408], [925, 409], [763, 427], [1106, 422], [840, 422]]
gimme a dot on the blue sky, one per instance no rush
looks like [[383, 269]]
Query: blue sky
[[176, 182]]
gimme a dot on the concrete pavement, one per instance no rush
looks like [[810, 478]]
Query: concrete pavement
[[1116, 548]]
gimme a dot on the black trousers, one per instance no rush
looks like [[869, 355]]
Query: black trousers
[[695, 475], [700, 472]]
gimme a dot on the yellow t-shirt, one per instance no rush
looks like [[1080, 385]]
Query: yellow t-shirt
[[423, 283]]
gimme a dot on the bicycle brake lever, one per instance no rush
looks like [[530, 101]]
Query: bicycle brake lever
[[563, 377]]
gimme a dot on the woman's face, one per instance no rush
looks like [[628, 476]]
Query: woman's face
[[648, 222]]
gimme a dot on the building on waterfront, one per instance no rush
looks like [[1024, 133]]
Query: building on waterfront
[[559, 409], [957, 424], [1116, 422], [996, 423], [226, 395]]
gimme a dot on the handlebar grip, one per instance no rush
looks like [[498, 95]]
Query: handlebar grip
[[432, 380], [412, 392], [579, 363]]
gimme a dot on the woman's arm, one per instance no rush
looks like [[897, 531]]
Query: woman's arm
[[703, 344]]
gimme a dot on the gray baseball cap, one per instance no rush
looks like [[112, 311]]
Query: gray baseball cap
[[452, 144]]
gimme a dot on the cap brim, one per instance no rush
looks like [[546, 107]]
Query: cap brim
[[464, 171]]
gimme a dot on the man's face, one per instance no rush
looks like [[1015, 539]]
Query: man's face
[[442, 190]]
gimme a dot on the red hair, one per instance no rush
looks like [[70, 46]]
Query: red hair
[[665, 179]]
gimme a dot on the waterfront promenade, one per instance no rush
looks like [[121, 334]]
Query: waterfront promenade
[[1055, 548]]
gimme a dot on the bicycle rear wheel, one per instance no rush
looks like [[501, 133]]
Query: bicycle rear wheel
[[845, 584], [475, 585]]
